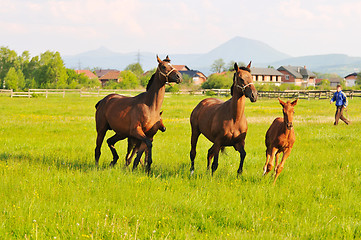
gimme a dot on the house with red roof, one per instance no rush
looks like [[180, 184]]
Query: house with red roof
[[87, 73], [300, 76], [109, 75]]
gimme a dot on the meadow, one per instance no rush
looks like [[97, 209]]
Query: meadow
[[50, 188]]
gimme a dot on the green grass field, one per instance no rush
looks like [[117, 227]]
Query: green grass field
[[50, 188]]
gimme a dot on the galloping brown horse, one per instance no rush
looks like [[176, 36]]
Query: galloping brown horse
[[137, 146], [280, 138], [134, 116], [224, 123]]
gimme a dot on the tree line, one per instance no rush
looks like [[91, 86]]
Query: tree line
[[22, 72]]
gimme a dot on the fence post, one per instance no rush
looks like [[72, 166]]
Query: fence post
[[11, 92]]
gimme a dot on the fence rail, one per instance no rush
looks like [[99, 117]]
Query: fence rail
[[304, 94]]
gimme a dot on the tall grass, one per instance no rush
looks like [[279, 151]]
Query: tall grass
[[50, 188]]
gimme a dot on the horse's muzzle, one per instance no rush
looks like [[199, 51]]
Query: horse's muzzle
[[289, 125], [253, 97], [162, 129]]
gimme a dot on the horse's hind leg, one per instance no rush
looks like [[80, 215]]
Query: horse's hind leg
[[268, 155], [111, 141], [210, 155], [194, 140], [214, 152], [99, 141]]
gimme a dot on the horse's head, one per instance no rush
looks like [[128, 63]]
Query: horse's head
[[243, 83], [160, 122], [166, 70], [288, 111]]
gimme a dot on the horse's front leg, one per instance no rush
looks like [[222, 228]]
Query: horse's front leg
[[279, 167], [242, 153]]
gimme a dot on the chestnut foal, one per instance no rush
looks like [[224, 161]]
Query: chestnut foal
[[137, 146], [280, 138]]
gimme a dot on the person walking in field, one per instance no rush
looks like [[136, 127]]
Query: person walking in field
[[340, 100]]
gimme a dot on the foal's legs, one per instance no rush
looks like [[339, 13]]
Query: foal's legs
[[269, 161], [279, 167], [133, 146], [140, 148], [139, 134], [111, 141], [194, 139]]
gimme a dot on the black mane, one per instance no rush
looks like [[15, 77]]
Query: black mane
[[150, 82], [245, 69]]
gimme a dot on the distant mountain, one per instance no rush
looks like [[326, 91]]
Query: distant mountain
[[237, 49]]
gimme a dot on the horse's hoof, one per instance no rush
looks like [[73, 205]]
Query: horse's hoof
[[192, 172]]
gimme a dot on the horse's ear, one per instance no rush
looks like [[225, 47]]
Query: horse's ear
[[161, 112], [167, 59], [158, 59], [281, 102], [236, 67], [249, 64], [294, 102]]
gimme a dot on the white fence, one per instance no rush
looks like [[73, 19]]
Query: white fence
[[305, 94]]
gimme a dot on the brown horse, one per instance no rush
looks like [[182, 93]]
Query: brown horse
[[224, 123], [134, 116], [280, 138], [137, 146]]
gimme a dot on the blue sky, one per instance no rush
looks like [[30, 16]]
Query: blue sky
[[295, 27]]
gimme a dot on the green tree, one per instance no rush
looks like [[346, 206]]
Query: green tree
[[144, 79], [51, 72], [218, 81], [8, 59], [136, 68], [358, 79], [14, 79], [187, 80], [128, 80], [218, 65]]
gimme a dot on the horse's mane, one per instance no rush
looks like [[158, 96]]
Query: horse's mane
[[150, 82], [242, 68]]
